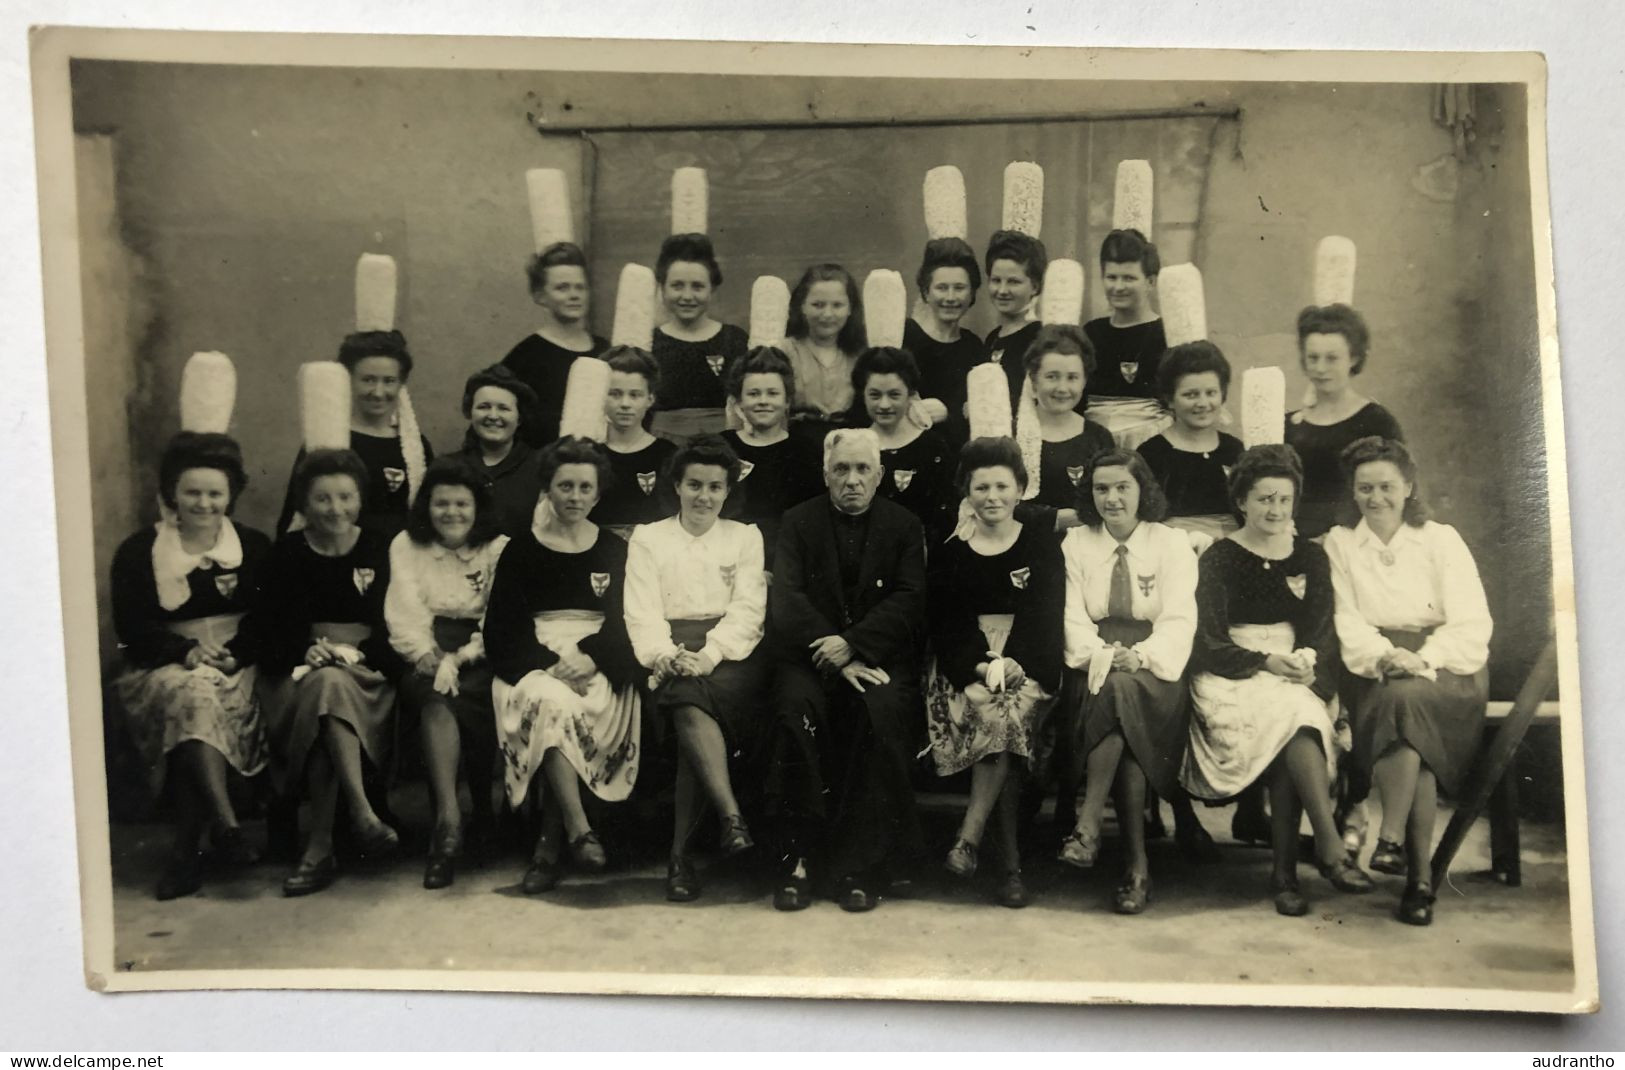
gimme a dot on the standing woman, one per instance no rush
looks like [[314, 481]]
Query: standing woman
[[636, 490], [330, 687], [1265, 663], [558, 284], [1130, 619], [943, 351], [1015, 278], [440, 572], [498, 407], [696, 600], [776, 469], [822, 341], [692, 351], [918, 464], [1415, 630], [1192, 458], [997, 602], [1059, 364], [1333, 343], [1129, 343], [179, 592], [565, 698]]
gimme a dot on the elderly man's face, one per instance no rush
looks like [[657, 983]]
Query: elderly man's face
[[852, 477]]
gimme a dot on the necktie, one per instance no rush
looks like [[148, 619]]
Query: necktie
[[1120, 600]]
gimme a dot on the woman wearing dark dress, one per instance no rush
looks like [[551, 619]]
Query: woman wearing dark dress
[[498, 407], [918, 464], [1265, 672], [822, 341], [1414, 627], [692, 350], [638, 490], [383, 434], [1015, 277], [777, 470], [1333, 343], [558, 284], [1129, 343], [566, 703], [996, 603], [1192, 458], [944, 352], [1056, 440], [329, 671], [179, 592], [440, 572]]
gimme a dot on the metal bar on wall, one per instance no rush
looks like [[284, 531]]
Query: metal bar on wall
[[544, 127]]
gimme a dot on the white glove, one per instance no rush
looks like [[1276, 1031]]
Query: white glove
[[445, 677]]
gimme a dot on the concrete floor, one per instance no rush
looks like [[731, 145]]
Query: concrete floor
[[1207, 924]]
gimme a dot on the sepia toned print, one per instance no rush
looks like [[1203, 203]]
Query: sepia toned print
[[708, 519]]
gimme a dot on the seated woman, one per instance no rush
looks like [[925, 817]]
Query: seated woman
[[692, 350], [1265, 664], [1129, 343], [1015, 277], [1415, 630], [776, 470], [558, 284], [918, 464], [1058, 366], [636, 490], [1192, 458], [1130, 617], [1333, 343], [179, 592], [566, 704], [943, 351], [383, 434], [329, 684], [499, 407], [696, 601], [822, 341], [440, 571], [996, 604]]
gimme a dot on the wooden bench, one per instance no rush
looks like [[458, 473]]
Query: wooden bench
[[1505, 863]]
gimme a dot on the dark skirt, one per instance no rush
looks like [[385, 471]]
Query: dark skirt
[[471, 706], [361, 697], [1152, 714], [1442, 720], [734, 695]]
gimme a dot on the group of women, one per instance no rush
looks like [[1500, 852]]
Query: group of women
[[1126, 606]]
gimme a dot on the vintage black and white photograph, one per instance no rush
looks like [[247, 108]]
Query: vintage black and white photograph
[[935, 523]]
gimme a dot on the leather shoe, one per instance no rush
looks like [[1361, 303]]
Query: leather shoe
[[1133, 895], [682, 884], [311, 877], [1080, 850], [854, 899], [231, 848], [1347, 876], [182, 876], [961, 861], [441, 869], [377, 841], [1388, 857], [1289, 901], [1416, 905], [735, 836], [588, 851], [542, 876], [1012, 891], [793, 893]]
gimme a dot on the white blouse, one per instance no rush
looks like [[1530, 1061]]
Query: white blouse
[[672, 575], [1162, 573], [431, 581], [1423, 578], [826, 388]]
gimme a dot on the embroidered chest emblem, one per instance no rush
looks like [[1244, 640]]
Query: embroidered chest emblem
[[646, 482], [903, 477], [728, 572], [1147, 584], [394, 479], [363, 578], [745, 469], [1074, 472], [714, 362], [1298, 585], [226, 584], [1129, 368], [476, 580], [1020, 577], [600, 583]]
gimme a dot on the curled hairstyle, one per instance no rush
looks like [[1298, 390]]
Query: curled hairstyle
[[1022, 249], [1337, 319], [1130, 247], [863, 436], [559, 254], [763, 360], [691, 249], [359, 346], [999, 452], [948, 253], [1059, 338], [573, 450], [452, 472], [201, 449], [500, 376], [884, 360], [854, 334], [631, 360], [319, 463], [1191, 358], [705, 450], [1373, 448], [1271, 461], [1153, 503]]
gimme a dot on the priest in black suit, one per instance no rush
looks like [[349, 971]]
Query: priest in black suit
[[847, 622]]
